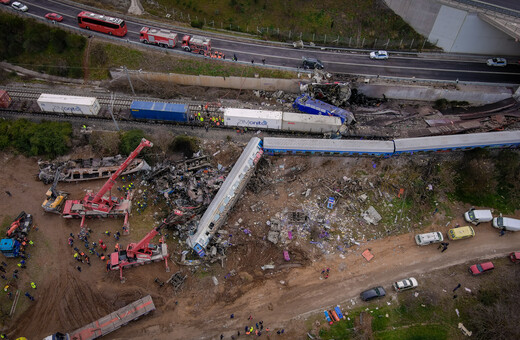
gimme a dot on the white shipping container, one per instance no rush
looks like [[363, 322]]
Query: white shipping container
[[68, 104], [310, 123], [258, 119]]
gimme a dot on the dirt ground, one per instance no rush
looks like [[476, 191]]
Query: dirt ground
[[285, 297]]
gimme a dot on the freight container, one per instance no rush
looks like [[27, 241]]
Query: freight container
[[68, 104], [5, 99], [258, 119], [310, 123], [159, 111], [307, 104]]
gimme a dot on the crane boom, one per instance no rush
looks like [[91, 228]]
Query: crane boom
[[111, 181], [134, 248]]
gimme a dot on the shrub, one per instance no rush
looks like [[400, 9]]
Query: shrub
[[185, 144], [197, 23]]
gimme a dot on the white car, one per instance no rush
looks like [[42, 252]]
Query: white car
[[405, 284], [500, 62], [379, 55], [19, 6]]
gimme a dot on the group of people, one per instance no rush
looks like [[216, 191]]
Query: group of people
[[91, 248], [215, 55], [7, 287], [257, 329]]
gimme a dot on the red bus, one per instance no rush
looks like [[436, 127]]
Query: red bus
[[102, 23]]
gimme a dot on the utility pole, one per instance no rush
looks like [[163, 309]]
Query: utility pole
[[111, 109], [129, 81]]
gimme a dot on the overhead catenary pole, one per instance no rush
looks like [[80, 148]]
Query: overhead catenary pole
[[111, 109], [129, 81]]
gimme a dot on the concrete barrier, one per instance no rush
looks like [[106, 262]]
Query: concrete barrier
[[238, 83]]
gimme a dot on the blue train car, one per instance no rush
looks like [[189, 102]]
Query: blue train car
[[159, 111], [306, 104]]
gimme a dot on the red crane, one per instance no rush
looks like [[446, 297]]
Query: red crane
[[99, 206], [144, 252]]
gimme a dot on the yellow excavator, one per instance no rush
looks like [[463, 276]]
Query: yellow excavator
[[55, 199]]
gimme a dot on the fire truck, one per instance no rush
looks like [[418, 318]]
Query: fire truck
[[159, 37], [196, 44]]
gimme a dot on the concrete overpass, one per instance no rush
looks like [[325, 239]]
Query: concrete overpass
[[489, 27]]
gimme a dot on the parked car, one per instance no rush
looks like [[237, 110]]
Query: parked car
[[54, 17], [461, 233], [428, 238], [405, 284], [506, 223], [480, 268], [312, 63], [5, 2], [379, 55], [500, 62], [478, 216], [515, 256], [373, 293], [19, 6]]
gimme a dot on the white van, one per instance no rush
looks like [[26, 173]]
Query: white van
[[478, 216], [507, 223], [429, 238]]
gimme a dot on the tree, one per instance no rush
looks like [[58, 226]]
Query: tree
[[130, 140], [58, 40]]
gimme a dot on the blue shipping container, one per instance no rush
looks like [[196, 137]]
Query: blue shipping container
[[159, 111]]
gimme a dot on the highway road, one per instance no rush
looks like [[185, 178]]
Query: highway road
[[441, 67]]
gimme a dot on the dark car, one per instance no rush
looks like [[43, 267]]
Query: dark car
[[373, 293], [480, 268], [312, 63]]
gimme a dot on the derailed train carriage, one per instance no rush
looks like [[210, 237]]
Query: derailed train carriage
[[503, 139]]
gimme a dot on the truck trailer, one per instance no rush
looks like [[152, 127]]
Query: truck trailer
[[310, 123], [257, 119], [108, 323], [76, 105], [159, 37]]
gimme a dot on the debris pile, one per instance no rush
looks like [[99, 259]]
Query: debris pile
[[189, 185], [177, 280], [332, 213], [337, 94]]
